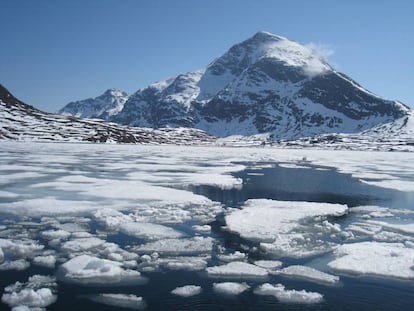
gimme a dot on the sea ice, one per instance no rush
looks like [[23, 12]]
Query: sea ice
[[37, 292], [19, 264], [310, 274], [263, 220], [48, 261], [393, 260], [202, 228], [80, 245], [20, 248], [187, 290], [55, 234], [288, 296], [269, 264], [196, 245], [236, 256], [149, 231], [42, 297], [237, 269], [183, 263], [230, 288], [86, 269], [127, 301]]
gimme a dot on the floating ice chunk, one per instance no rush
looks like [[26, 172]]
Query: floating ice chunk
[[149, 231], [55, 234], [20, 264], [81, 234], [310, 274], [86, 269], [288, 296], [80, 245], [269, 264], [230, 288], [273, 223], [42, 297], [20, 248], [236, 256], [263, 220], [187, 290], [111, 218], [202, 228], [48, 261], [1, 255], [297, 245], [127, 301], [183, 263], [36, 293], [196, 245], [73, 227], [393, 260], [237, 269]]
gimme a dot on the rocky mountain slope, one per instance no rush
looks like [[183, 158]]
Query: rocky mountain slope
[[103, 107], [22, 122], [267, 84]]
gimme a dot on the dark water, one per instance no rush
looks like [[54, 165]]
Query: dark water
[[279, 183]]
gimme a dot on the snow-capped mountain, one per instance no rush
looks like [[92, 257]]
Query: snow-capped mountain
[[266, 84], [102, 107], [22, 122]]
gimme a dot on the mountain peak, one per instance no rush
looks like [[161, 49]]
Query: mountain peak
[[266, 36]]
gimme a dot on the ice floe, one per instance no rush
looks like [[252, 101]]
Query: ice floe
[[237, 269], [393, 260], [273, 224], [310, 274], [263, 220], [19, 264], [127, 301], [236, 256], [38, 292], [85, 269], [185, 246], [230, 288], [48, 261], [149, 231], [81, 244], [187, 291], [288, 296], [269, 264]]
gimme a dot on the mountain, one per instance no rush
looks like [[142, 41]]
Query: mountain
[[266, 84], [102, 107], [22, 122]]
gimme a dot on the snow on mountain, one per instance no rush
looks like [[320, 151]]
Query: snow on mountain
[[102, 107], [265, 84], [22, 122]]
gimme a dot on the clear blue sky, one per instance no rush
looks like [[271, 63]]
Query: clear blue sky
[[56, 51]]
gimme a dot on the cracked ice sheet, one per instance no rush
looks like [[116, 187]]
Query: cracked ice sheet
[[273, 223], [390, 260]]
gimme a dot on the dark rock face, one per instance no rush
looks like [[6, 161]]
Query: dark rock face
[[266, 84]]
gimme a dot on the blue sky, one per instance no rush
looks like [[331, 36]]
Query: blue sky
[[56, 51]]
